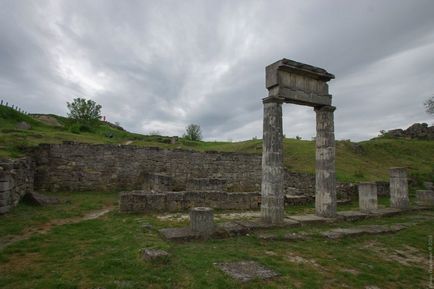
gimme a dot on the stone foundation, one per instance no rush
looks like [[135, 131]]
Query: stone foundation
[[145, 202]]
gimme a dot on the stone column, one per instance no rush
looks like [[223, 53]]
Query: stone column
[[272, 198], [367, 197], [325, 180], [399, 188]]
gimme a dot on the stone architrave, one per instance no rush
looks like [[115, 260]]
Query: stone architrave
[[289, 81], [399, 188], [368, 197], [272, 200]]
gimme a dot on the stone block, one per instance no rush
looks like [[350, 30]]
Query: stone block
[[425, 198], [352, 215], [399, 188], [149, 254], [4, 209], [245, 271], [5, 186], [367, 196], [311, 219]]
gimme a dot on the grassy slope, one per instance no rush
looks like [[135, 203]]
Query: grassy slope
[[368, 160]]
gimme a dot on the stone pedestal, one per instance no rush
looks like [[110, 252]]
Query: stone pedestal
[[367, 196], [325, 181], [202, 221], [425, 198], [399, 188], [272, 202]]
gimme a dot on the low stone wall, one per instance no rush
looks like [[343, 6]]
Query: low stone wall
[[144, 202], [16, 179], [87, 167]]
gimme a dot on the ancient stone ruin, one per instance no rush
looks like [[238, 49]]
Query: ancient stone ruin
[[288, 81]]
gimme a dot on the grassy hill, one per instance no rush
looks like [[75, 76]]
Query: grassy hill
[[363, 161]]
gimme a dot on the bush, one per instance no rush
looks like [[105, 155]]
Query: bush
[[193, 132]]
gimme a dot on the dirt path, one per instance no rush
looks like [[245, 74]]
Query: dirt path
[[45, 228]]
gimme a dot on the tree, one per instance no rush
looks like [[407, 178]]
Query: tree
[[86, 111], [193, 132], [429, 105]]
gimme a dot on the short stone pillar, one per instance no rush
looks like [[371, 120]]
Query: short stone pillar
[[325, 180], [399, 188], [202, 221], [272, 196], [367, 197], [425, 198]]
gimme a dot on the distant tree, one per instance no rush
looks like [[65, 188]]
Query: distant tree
[[193, 132], [298, 137], [429, 105], [84, 110]]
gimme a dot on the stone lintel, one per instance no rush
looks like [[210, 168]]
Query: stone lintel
[[295, 67]]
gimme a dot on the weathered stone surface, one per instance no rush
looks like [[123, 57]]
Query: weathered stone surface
[[385, 212], [286, 237], [367, 196], [399, 188], [149, 254], [325, 196], [39, 199], [145, 202], [298, 83], [311, 219], [202, 221], [89, 167], [245, 271], [179, 234], [428, 185], [298, 200], [425, 198], [351, 215], [16, 179], [272, 193], [362, 230]]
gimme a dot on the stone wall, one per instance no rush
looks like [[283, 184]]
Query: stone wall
[[87, 167], [16, 179], [143, 202]]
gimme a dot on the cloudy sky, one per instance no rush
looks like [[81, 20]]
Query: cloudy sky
[[160, 65]]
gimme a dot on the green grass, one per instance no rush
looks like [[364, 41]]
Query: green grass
[[104, 253], [363, 161]]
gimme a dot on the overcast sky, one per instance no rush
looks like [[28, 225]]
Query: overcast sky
[[160, 65]]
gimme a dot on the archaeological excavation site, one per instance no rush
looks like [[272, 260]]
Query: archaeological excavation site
[[89, 214]]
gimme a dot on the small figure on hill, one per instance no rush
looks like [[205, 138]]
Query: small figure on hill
[[193, 132]]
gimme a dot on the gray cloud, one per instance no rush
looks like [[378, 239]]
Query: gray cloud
[[162, 65]]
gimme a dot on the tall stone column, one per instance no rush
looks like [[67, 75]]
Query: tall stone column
[[325, 180], [399, 188], [272, 198]]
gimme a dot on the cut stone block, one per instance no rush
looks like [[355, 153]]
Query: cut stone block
[[425, 198], [286, 237], [5, 209], [352, 215], [367, 196], [179, 234], [363, 230], [385, 212], [399, 188], [153, 254], [311, 219], [245, 271]]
